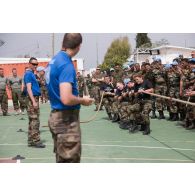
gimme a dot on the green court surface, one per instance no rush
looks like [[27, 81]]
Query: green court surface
[[102, 141]]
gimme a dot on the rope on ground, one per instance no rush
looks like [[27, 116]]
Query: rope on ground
[[171, 99], [92, 117], [95, 115]]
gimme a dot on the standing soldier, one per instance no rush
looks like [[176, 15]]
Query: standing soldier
[[33, 92], [64, 118], [89, 84], [160, 88], [42, 83], [108, 89], [3, 93], [117, 74], [173, 79], [140, 87], [15, 84], [97, 79], [80, 81]]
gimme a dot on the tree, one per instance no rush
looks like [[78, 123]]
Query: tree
[[163, 41], [142, 40], [117, 53]]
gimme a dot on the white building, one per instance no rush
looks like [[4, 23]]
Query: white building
[[166, 52]]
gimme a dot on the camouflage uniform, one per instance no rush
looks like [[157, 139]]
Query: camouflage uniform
[[190, 113], [89, 85], [173, 78], [108, 98], [160, 88], [34, 121], [66, 133], [80, 81], [42, 85], [96, 89], [15, 84], [3, 95]]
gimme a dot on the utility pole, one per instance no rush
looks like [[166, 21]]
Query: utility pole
[[97, 51], [53, 41]]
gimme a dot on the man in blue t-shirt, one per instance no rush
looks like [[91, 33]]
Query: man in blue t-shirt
[[65, 103], [33, 92]]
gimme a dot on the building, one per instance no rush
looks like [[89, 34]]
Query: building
[[166, 52]]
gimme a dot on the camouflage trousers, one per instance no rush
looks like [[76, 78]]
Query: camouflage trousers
[[3, 101], [190, 113], [160, 102], [44, 94], [146, 107], [66, 134], [34, 122], [96, 95], [173, 93], [18, 99], [115, 107], [107, 102]]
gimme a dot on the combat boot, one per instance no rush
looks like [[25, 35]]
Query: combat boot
[[175, 117], [115, 118], [147, 129], [182, 116], [37, 145], [192, 126], [161, 115], [109, 116], [153, 115], [133, 127], [123, 125], [170, 116]]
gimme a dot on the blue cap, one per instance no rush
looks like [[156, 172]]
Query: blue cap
[[40, 68], [167, 66], [193, 70], [131, 63], [156, 58], [174, 63], [126, 81]]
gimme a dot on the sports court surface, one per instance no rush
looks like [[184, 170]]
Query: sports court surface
[[102, 141]]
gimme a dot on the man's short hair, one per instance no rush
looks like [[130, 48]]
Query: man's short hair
[[71, 40], [13, 69], [31, 59], [1, 68]]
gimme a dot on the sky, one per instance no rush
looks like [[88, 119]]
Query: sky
[[93, 48]]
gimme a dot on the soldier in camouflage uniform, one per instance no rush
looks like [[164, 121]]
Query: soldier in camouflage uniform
[[108, 89], [89, 84], [42, 83], [117, 74], [33, 92], [190, 93], [97, 79], [173, 80], [144, 100], [3, 94], [15, 84], [80, 81], [160, 88]]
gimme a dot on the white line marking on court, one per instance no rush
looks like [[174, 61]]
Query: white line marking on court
[[116, 158], [119, 146]]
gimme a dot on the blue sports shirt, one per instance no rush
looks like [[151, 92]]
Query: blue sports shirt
[[59, 70]]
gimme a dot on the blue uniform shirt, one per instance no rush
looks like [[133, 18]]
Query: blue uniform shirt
[[29, 77], [60, 70]]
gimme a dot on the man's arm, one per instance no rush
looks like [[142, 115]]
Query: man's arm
[[69, 99], [30, 93]]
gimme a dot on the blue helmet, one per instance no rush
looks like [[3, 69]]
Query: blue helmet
[[167, 66], [174, 63], [126, 81]]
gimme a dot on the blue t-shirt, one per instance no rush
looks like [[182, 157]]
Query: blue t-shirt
[[29, 77], [60, 70]]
